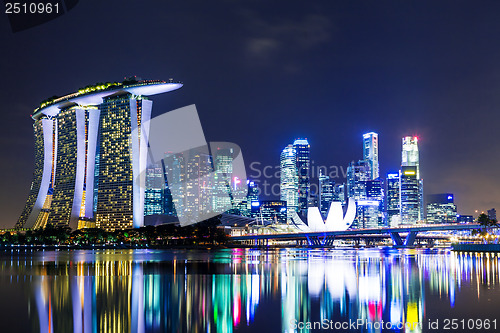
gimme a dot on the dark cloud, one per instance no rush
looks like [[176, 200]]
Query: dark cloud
[[269, 40]]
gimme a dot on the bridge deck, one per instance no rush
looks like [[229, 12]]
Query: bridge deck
[[354, 232]]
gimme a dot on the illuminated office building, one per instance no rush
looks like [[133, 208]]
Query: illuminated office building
[[370, 153], [174, 166], [90, 149], [198, 196], [154, 197], [357, 174], [273, 211], [409, 195], [198, 182], [339, 193], [410, 157], [223, 172], [252, 200], [326, 193], [365, 186], [409, 154], [367, 193], [371, 207], [289, 179], [168, 201], [441, 208], [392, 199], [303, 155]]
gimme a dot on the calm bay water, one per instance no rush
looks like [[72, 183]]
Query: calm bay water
[[249, 290]]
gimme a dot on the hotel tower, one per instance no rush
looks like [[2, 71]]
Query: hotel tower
[[90, 157]]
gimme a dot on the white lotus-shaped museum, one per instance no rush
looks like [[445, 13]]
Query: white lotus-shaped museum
[[335, 221]]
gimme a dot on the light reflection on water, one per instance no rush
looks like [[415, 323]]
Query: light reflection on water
[[245, 290]]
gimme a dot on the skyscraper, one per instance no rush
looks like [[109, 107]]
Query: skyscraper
[[370, 153], [154, 197], [358, 174], [409, 194], [410, 157], [365, 186], [120, 198], [223, 172], [409, 153], [326, 193], [173, 165], [371, 207], [289, 182], [339, 193], [198, 195], [392, 199], [302, 149], [253, 202], [90, 153]]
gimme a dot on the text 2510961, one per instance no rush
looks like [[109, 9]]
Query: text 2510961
[[31, 8]]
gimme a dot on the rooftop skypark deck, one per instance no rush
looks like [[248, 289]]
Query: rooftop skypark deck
[[94, 94]]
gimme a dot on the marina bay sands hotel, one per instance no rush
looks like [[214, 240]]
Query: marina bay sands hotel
[[90, 148]]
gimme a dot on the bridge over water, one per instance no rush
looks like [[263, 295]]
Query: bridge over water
[[401, 236]]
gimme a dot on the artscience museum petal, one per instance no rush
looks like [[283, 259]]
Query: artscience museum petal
[[335, 221]]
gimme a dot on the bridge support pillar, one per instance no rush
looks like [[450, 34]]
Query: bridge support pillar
[[408, 241], [410, 238], [315, 241], [396, 239]]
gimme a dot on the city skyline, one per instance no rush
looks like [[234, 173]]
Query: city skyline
[[365, 171], [84, 135], [91, 184], [296, 192], [329, 72]]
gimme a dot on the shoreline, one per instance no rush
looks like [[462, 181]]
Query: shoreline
[[196, 247]]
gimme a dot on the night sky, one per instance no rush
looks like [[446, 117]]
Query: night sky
[[263, 73]]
